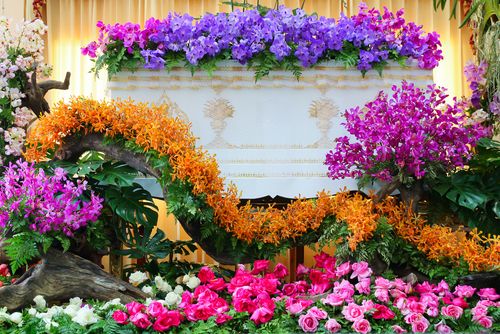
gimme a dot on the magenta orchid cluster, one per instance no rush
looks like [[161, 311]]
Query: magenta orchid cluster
[[405, 133], [329, 297], [476, 77], [32, 200], [376, 37]]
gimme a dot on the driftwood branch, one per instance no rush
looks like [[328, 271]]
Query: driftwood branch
[[35, 93], [386, 190], [61, 276]]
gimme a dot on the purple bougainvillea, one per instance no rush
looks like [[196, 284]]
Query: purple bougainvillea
[[369, 38], [31, 199], [406, 133]]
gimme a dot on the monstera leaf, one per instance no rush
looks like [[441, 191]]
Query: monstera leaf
[[116, 173], [462, 189], [133, 204]]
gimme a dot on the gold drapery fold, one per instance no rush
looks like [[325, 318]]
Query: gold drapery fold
[[72, 24]]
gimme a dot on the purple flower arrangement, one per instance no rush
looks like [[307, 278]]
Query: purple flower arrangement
[[30, 200], [406, 134], [277, 37]]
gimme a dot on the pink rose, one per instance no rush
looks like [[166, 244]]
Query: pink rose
[[140, 320], [361, 270], [296, 306], [239, 280], [452, 311], [383, 312], [201, 311], [186, 300], [308, 323], [416, 307], [206, 274], [220, 305], [464, 291], [269, 285], [217, 284], [383, 283], [363, 286], [353, 312], [479, 311], [244, 305], [155, 309], [459, 301], [262, 315], [120, 317], [333, 299], [280, 271], [442, 328], [321, 258], [382, 295], [412, 317], [134, 307], [432, 312], [361, 326], [487, 293], [343, 269], [344, 289], [318, 313], [420, 326], [486, 322], [222, 318], [260, 266], [398, 329], [367, 305], [332, 326], [167, 320], [302, 270], [289, 289], [425, 287], [442, 287]]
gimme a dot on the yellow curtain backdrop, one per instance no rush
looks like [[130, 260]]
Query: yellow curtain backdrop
[[71, 24]]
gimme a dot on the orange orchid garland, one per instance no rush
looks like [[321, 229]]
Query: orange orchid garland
[[151, 128], [441, 243]]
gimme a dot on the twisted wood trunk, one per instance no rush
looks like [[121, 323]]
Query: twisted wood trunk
[[61, 276]]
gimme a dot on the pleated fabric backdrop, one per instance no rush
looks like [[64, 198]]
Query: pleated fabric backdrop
[[72, 24]]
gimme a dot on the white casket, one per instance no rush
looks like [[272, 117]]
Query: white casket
[[270, 137]]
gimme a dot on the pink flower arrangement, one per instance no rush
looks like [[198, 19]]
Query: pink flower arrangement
[[259, 297], [404, 133]]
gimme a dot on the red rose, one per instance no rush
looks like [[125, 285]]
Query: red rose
[[120, 317]]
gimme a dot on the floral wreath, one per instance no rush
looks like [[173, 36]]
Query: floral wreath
[[149, 130]]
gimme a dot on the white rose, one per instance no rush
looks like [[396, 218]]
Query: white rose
[[179, 290], [85, 316], [40, 302], [162, 285], [137, 278], [32, 311], [185, 279], [16, 317], [55, 310], [172, 299], [480, 116], [147, 290], [193, 282]]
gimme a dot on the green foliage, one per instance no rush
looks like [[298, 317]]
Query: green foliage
[[473, 195]]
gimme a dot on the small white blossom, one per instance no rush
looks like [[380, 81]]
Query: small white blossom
[[32, 311], [162, 285], [112, 302], [172, 299], [85, 316], [137, 278], [147, 290], [193, 282], [40, 302], [179, 290], [16, 317]]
